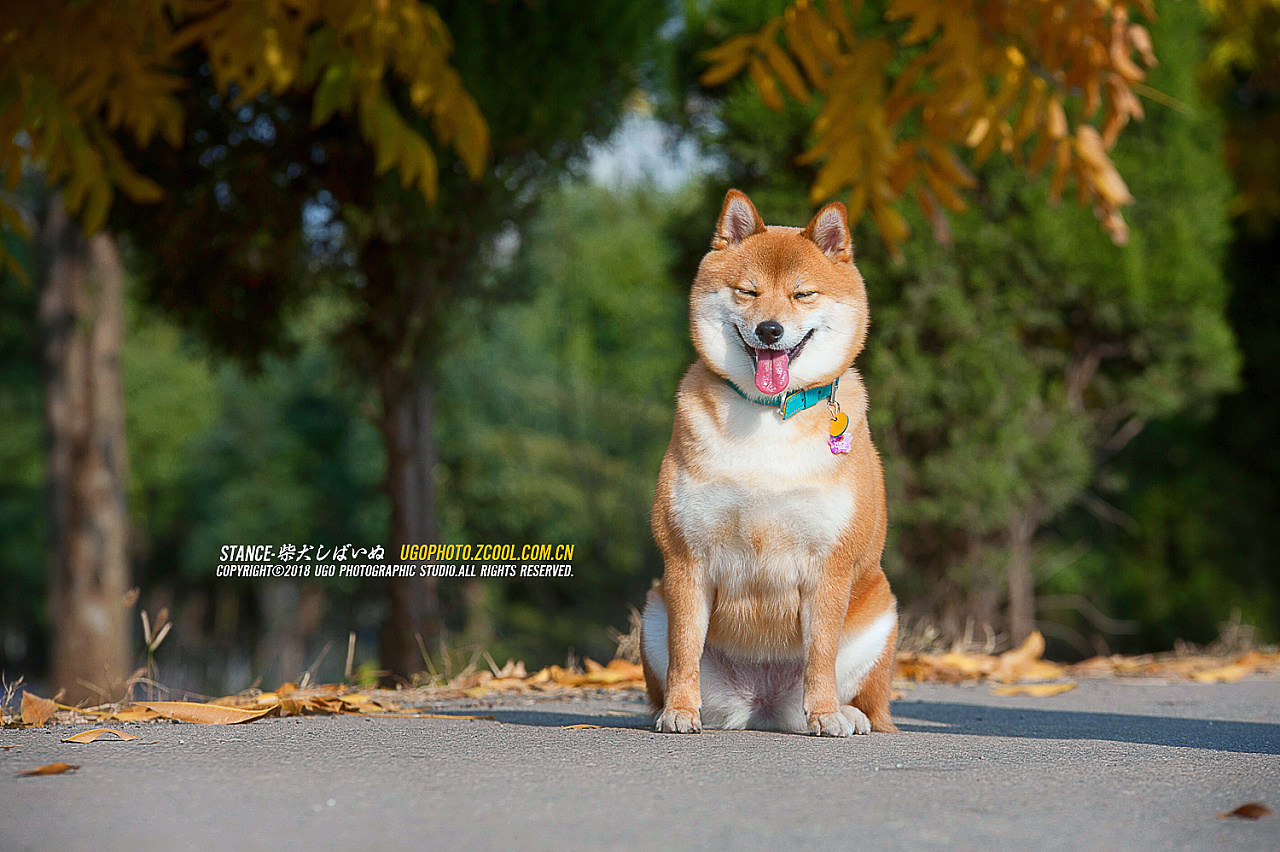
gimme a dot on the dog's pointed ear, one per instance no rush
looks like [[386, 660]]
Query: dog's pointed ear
[[830, 231], [738, 220]]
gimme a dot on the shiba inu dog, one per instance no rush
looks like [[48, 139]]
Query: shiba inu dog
[[773, 611]]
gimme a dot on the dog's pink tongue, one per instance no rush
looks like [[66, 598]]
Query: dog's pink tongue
[[771, 371]]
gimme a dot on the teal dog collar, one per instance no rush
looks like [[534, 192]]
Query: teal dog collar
[[794, 402]]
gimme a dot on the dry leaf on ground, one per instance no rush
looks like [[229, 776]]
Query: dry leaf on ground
[[579, 727], [1024, 663], [1251, 810], [37, 710], [204, 714], [1020, 665], [51, 769], [360, 703], [1200, 667], [97, 733], [1035, 690], [1223, 674], [134, 713]]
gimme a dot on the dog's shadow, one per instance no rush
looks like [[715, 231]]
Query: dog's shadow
[[942, 717], [986, 721]]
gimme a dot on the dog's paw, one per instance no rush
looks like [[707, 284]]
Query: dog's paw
[[838, 724], [678, 720], [861, 724]]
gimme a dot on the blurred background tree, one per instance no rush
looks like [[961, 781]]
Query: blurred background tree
[[302, 210], [563, 416], [252, 73], [74, 75], [314, 352], [1199, 539]]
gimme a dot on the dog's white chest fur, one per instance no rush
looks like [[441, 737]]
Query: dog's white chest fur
[[761, 494]]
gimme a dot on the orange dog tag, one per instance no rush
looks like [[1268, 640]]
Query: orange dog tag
[[839, 422]]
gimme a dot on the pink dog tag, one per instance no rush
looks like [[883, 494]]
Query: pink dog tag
[[841, 443]]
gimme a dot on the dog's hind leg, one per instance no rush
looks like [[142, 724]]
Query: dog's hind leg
[[653, 648], [872, 698]]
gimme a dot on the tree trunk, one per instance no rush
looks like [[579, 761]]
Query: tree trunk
[[81, 332], [1022, 589], [413, 617]]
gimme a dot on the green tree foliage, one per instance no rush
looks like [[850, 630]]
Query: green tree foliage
[[278, 455], [171, 401], [289, 459], [1199, 541], [560, 412]]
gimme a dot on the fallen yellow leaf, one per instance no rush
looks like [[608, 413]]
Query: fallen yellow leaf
[[579, 727], [1223, 674], [204, 714], [1258, 660], [1251, 810], [325, 705], [1035, 690], [97, 733], [512, 669], [604, 677], [51, 769], [36, 710], [970, 664], [1040, 670], [134, 713], [1011, 664], [506, 683]]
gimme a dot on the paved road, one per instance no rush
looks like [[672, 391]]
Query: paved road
[[1111, 765]]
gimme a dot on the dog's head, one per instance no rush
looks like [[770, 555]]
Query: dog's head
[[778, 308]]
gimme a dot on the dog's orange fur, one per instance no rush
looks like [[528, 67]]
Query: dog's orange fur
[[809, 573]]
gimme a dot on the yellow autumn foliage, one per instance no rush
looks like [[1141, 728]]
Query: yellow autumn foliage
[[1046, 84], [73, 74]]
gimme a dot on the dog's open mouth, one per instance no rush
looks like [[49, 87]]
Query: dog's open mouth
[[773, 365]]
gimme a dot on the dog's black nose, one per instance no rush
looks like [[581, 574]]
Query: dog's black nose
[[769, 332]]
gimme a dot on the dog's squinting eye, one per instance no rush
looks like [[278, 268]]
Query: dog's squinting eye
[[743, 291], [805, 294]]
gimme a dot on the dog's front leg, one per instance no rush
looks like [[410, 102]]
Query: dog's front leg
[[823, 610], [688, 613]]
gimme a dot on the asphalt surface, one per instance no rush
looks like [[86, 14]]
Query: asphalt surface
[[1110, 765]]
